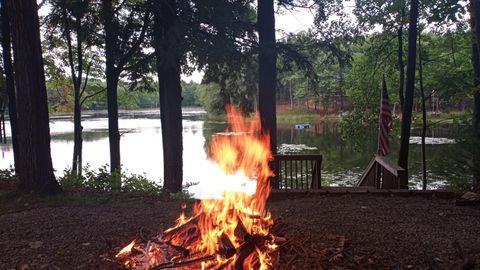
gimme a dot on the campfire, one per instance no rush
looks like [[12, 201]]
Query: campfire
[[232, 232]]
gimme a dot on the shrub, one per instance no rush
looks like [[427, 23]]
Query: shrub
[[103, 180]]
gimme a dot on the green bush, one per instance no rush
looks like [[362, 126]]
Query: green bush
[[102, 179], [135, 183], [70, 181]]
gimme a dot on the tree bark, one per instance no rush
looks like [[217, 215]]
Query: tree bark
[[341, 86], [36, 174], [476, 157], [10, 81], [77, 82], [112, 82], [77, 114], [424, 112], [475, 22], [166, 40], [401, 66], [410, 84], [267, 70]]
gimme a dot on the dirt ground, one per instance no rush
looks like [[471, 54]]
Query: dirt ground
[[368, 231]]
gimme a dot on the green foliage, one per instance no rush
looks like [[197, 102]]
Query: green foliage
[[447, 65], [70, 181], [447, 71], [128, 100], [103, 180], [312, 66], [135, 183], [60, 95], [190, 94], [181, 195], [212, 99]]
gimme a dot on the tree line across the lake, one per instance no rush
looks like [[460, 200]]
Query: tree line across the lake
[[128, 54]]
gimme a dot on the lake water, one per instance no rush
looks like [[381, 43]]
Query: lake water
[[141, 149]]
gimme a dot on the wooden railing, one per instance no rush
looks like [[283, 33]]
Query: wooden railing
[[382, 174], [297, 172]]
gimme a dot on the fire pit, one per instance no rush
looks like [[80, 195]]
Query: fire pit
[[232, 232]]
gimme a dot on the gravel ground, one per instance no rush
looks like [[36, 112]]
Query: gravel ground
[[380, 232]]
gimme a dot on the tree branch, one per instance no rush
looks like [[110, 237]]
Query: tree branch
[[69, 44], [136, 44], [91, 95], [87, 73], [140, 62]]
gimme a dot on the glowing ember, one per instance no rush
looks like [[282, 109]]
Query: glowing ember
[[227, 233]]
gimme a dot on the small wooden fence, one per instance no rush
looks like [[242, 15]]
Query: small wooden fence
[[382, 174], [297, 172]]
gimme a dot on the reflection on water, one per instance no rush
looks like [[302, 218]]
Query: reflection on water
[[344, 162], [141, 149]]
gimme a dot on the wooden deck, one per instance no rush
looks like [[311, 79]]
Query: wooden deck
[[382, 174], [297, 172], [300, 176], [342, 191]]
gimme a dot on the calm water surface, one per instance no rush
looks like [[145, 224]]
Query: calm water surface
[[141, 150]]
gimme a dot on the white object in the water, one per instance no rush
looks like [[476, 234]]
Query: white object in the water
[[302, 126], [430, 140]]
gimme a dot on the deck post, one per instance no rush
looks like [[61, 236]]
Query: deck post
[[402, 180], [378, 175]]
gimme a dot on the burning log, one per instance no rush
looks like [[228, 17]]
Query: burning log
[[227, 233], [241, 232], [187, 230], [244, 252], [227, 249], [170, 265]]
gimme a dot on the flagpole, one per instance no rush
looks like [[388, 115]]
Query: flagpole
[[384, 85]]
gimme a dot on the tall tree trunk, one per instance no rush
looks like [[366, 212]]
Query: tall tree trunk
[[113, 130], [476, 156], [77, 82], [401, 66], [291, 95], [475, 23], [10, 81], [267, 70], [36, 174], [77, 134], [424, 112], [407, 108], [341, 85], [112, 83], [166, 40], [77, 111]]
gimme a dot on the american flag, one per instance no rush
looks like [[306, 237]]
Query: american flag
[[385, 122]]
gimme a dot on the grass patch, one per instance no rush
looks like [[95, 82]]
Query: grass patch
[[93, 188], [11, 202], [290, 116], [304, 117], [435, 119]]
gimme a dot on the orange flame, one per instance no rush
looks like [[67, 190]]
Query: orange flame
[[244, 151], [126, 250]]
